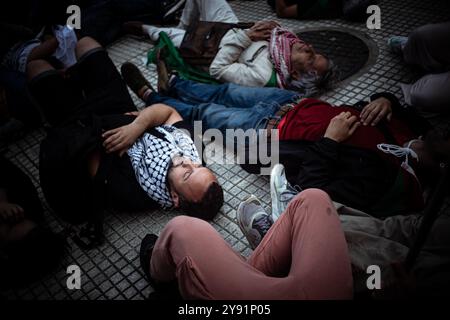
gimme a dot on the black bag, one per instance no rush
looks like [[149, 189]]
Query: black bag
[[201, 42]]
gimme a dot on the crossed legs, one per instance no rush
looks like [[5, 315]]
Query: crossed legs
[[303, 256]]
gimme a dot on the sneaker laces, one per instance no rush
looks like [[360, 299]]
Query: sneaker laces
[[290, 192], [399, 151], [263, 224]]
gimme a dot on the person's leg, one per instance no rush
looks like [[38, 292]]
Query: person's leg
[[429, 47], [206, 267], [304, 250], [55, 97], [217, 11], [434, 258], [174, 34], [229, 94], [100, 79], [206, 10], [310, 235], [218, 116], [401, 229], [44, 50], [184, 109], [428, 93]]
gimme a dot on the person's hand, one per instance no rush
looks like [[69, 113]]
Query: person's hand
[[120, 139], [342, 127], [10, 212], [261, 30], [375, 111]]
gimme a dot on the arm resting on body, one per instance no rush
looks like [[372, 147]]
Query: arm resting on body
[[120, 139], [226, 67]]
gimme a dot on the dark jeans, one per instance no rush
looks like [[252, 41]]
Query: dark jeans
[[226, 106]]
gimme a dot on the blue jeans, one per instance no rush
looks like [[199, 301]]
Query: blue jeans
[[226, 106]]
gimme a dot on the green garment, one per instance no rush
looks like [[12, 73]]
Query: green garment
[[273, 80], [174, 61]]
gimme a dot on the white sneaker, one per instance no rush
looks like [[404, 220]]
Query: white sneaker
[[173, 8], [281, 191]]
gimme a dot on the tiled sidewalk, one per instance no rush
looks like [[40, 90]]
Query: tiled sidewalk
[[112, 271]]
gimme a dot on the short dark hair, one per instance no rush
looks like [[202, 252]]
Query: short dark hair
[[208, 207]]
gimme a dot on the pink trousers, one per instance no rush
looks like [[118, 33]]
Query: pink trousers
[[303, 256]]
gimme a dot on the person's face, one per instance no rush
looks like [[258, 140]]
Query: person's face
[[304, 59], [189, 180]]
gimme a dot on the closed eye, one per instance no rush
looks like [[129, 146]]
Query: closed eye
[[187, 174]]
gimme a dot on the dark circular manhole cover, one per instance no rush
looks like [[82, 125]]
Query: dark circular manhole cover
[[349, 52]]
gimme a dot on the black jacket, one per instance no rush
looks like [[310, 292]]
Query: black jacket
[[350, 175]]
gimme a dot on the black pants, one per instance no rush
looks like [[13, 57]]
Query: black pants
[[92, 86], [93, 98]]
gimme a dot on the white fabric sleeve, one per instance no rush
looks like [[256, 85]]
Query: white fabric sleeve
[[228, 67]]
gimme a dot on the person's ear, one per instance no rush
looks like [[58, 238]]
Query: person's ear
[[175, 198]]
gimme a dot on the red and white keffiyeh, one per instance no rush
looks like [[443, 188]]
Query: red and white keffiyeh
[[280, 47]]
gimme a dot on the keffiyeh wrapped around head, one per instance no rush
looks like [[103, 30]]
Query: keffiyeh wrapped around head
[[281, 42]]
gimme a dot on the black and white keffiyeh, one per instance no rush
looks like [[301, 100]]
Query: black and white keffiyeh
[[151, 157]]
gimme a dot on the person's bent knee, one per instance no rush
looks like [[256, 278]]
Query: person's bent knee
[[314, 194], [183, 228], [311, 196], [37, 67], [85, 45]]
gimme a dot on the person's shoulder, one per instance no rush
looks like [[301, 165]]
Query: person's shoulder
[[186, 126], [182, 124]]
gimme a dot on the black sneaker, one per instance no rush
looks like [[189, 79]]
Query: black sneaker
[[133, 28], [145, 254], [162, 291], [163, 73], [134, 78]]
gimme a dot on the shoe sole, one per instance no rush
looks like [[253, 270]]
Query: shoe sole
[[163, 74], [174, 9], [276, 172], [147, 83]]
